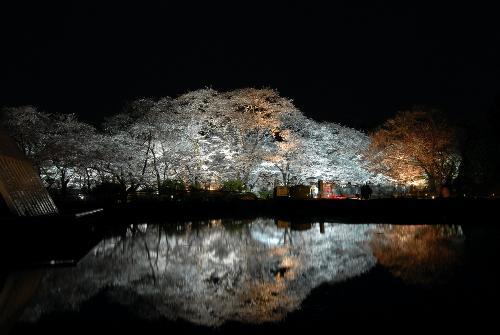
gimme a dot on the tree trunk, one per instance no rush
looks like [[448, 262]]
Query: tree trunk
[[87, 176], [64, 182], [147, 153], [157, 172]]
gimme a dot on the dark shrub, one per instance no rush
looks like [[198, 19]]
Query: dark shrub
[[109, 190], [233, 186], [170, 186]]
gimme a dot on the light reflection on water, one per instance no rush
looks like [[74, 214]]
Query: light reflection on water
[[253, 271], [419, 254]]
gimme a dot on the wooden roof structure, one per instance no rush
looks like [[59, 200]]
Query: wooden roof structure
[[20, 186]]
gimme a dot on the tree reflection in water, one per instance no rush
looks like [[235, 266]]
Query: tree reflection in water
[[218, 271], [419, 254]]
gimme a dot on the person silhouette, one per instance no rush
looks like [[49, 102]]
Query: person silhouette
[[366, 191]]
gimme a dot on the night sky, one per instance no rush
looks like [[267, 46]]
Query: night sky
[[350, 64]]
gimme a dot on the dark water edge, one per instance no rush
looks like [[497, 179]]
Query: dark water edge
[[396, 211]]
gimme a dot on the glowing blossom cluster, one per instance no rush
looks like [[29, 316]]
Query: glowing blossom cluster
[[205, 136]]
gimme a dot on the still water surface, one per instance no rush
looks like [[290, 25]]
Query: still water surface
[[253, 271]]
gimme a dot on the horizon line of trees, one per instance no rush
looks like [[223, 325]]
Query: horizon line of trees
[[252, 138]]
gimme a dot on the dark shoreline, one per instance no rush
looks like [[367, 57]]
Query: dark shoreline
[[395, 211]]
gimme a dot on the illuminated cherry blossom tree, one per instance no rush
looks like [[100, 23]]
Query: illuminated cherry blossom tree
[[416, 147], [251, 135], [56, 143]]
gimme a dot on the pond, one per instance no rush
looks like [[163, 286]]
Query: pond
[[225, 275]]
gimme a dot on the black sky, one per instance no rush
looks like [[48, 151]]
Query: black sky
[[352, 64]]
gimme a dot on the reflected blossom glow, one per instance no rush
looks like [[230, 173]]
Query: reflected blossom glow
[[212, 273]]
